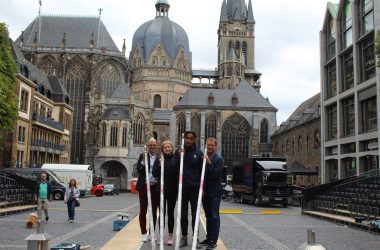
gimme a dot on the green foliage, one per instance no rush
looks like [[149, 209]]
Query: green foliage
[[8, 71], [377, 48]]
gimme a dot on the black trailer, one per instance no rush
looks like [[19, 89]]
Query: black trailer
[[261, 181]]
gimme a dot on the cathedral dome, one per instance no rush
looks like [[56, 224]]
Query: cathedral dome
[[161, 30]]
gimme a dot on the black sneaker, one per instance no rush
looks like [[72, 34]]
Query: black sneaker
[[47, 218], [183, 241], [204, 242], [211, 246]]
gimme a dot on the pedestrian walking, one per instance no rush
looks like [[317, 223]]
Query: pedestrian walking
[[152, 157], [71, 198], [192, 168], [213, 193], [170, 186], [43, 193]]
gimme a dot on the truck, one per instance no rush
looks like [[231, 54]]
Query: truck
[[81, 173], [261, 181]]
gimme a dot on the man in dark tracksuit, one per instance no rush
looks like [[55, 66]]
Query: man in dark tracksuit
[[213, 193], [192, 169]]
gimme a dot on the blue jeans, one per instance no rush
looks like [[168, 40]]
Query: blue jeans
[[71, 209], [211, 206]]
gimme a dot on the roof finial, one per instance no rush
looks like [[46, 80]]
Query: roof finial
[[124, 47], [39, 9], [97, 39]]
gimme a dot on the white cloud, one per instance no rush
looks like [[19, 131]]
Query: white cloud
[[286, 36]]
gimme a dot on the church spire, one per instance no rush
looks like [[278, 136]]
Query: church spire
[[250, 18], [223, 12], [162, 8]]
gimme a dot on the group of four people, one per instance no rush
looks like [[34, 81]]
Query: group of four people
[[192, 169]]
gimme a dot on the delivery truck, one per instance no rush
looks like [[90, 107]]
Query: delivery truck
[[81, 173], [261, 181]]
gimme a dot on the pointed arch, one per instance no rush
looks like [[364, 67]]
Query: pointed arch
[[110, 78], [264, 131], [244, 50], [235, 138], [104, 134], [114, 135], [139, 129], [196, 126], [181, 127], [210, 126], [48, 64]]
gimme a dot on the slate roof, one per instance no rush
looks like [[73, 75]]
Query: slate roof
[[204, 73], [122, 91], [236, 10], [161, 115], [78, 31], [248, 99], [39, 77], [305, 112], [116, 113]]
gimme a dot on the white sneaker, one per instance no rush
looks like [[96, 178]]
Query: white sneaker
[[144, 238]]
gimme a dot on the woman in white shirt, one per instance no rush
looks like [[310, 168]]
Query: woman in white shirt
[[71, 198]]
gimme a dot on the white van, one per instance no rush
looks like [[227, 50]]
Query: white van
[[81, 173]]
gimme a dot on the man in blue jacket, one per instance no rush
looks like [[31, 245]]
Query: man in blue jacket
[[42, 194], [213, 193], [192, 169]]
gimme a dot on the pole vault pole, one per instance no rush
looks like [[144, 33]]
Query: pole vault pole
[[196, 226], [162, 221], [179, 200], [151, 223]]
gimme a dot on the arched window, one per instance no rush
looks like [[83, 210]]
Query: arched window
[[155, 59], [300, 144], [316, 140], [244, 50], [237, 49], [229, 70], [210, 126], [104, 134], [125, 136], [110, 79], [113, 135], [230, 44], [196, 127], [264, 131], [157, 101], [139, 129], [181, 127], [235, 139]]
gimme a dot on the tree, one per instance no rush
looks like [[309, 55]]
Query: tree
[[8, 71]]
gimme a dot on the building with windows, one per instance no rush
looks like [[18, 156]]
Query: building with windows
[[298, 140], [43, 129], [119, 103], [349, 89]]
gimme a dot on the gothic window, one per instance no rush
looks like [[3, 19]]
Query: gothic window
[[210, 128], [287, 148], [109, 79], [163, 61], [181, 127], [316, 139], [124, 137], [155, 59], [139, 130], [76, 84], [244, 50], [299, 144], [113, 135], [237, 49], [237, 70], [196, 127], [307, 144], [235, 139], [48, 64], [229, 70], [157, 101], [264, 131], [231, 44], [104, 134]]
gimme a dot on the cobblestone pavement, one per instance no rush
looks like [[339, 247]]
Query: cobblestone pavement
[[249, 230]]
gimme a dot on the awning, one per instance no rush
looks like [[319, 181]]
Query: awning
[[299, 169]]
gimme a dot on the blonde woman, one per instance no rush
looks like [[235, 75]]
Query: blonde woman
[[170, 185]]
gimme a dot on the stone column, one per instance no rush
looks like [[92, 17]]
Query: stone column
[[202, 130], [219, 132], [188, 120]]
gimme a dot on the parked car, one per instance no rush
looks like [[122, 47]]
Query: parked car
[[111, 189], [97, 190]]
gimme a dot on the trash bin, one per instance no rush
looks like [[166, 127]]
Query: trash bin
[[133, 186]]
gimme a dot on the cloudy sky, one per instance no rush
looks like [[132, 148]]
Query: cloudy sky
[[286, 31]]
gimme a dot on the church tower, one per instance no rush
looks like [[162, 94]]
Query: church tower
[[236, 45]]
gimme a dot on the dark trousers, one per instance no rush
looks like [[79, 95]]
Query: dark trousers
[[189, 194], [211, 206], [169, 200], [71, 209], [143, 197]]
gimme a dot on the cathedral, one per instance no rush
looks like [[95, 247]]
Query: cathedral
[[119, 102]]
